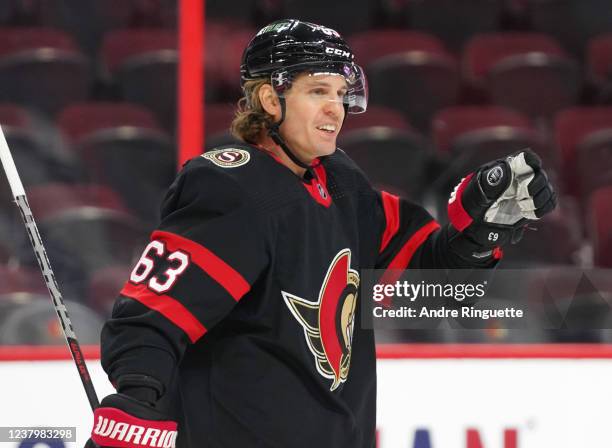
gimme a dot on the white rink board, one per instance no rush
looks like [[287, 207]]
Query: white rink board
[[48, 393], [553, 403]]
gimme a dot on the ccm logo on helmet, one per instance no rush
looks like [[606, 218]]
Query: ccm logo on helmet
[[338, 52]]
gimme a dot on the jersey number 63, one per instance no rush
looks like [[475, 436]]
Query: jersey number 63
[[145, 265]]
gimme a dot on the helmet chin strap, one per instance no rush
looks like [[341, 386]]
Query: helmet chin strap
[[274, 133]]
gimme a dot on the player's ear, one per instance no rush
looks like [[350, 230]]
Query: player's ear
[[269, 101]]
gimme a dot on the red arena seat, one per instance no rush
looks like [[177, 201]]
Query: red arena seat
[[529, 72], [599, 65], [600, 226], [414, 73], [42, 68], [376, 116], [140, 61], [454, 122], [571, 22], [454, 22], [373, 44], [112, 138], [584, 138]]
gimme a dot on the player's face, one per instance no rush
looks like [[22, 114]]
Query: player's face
[[314, 115]]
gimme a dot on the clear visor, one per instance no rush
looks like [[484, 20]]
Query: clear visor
[[356, 98]]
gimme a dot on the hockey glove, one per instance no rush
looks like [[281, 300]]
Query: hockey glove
[[491, 206], [125, 421]]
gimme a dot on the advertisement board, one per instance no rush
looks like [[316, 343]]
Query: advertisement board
[[428, 396]]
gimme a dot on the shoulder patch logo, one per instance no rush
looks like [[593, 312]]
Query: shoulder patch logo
[[228, 157]]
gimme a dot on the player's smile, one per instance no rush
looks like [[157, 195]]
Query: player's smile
[[314, 115]]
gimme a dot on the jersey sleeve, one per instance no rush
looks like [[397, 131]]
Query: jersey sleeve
[[406, 229], [201, 260], [412, 238]]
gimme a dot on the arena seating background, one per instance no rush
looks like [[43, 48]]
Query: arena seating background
[[87, 102]]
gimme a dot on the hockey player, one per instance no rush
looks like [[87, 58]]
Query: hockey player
[[239, 326]]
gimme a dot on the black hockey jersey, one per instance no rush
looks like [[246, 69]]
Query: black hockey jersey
[[245, 302]]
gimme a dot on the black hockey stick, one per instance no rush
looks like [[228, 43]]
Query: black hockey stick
[[43, 261]]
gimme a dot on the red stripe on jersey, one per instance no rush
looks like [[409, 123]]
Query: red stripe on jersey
[[403, 257], [168, 307], [230, 279], [457, 215], [391, 208], [320, 170]]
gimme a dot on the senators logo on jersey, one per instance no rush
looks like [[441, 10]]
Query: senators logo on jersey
[[228, 157], [328, 323]]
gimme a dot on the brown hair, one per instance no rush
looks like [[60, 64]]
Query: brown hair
[[251, 120]]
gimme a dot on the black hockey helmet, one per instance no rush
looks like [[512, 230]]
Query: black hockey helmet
[[285, 48]]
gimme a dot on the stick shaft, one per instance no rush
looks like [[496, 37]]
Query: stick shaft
[[9, 167], [45, 267]]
